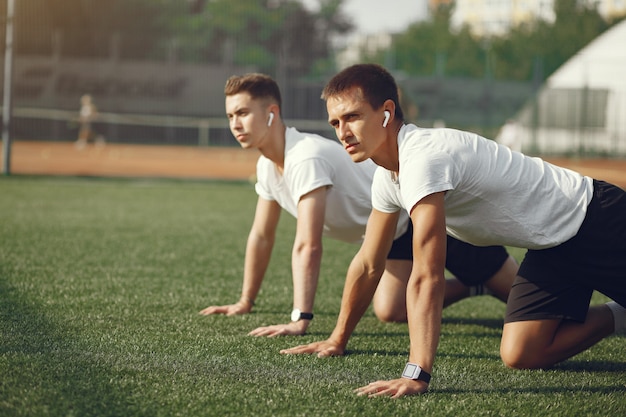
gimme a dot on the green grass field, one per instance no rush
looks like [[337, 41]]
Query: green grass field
[[101, 281]]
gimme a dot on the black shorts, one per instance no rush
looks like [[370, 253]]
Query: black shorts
[[557, 283], [468, 263]]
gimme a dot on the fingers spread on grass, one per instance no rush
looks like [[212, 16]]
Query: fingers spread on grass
[[323, 350], [373, 389], [298, 350], [277, 330], [394, 388], [213, 310], [330, 351], [229, 310]]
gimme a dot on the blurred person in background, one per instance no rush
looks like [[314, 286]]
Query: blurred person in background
[[87, 115]]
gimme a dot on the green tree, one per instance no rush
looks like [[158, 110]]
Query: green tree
[[278, 36], [91, 27], [533, 49], [577, 24], [552, 44], [432, 48], [517, 52], [468, 55]]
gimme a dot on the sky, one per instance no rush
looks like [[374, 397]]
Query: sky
[[375, 16]]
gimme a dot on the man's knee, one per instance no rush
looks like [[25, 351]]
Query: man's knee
[[517, 359], [520, 353], [390, 315]]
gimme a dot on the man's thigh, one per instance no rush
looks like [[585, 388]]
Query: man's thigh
[[390, 296], [473, 265]]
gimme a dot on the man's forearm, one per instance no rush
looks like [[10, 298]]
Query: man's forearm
[[258, 253], [358, 292], [424, 312], [306, 263]]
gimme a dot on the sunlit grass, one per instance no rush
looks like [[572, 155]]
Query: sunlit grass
[[101, 282]]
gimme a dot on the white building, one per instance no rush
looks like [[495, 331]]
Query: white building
[[581, 109], [495, 17], [352, 52]]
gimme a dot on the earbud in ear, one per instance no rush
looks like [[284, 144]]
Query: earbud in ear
[[387, 116], [270, 119]]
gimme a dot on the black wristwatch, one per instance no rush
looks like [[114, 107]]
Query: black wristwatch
[[297, 315], [415, 372]]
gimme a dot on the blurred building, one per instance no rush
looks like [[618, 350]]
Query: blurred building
[[495, 17], [580, 108], [352, 52]]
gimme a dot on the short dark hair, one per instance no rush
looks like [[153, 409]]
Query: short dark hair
[[376, 84], [259, 86]]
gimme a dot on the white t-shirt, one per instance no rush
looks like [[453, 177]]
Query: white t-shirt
[[494, 196], [311, 162]]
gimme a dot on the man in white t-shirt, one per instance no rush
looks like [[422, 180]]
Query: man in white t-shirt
[[458, 183], [313, 179]]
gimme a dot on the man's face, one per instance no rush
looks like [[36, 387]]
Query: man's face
[[247, 119], [356, 124]]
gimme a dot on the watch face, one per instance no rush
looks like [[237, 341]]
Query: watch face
[[295, 315], [409, 370]]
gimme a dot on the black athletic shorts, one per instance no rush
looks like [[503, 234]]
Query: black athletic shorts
[[557, 283], [468, 263]]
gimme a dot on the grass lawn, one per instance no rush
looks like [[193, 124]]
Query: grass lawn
[[101, 281]]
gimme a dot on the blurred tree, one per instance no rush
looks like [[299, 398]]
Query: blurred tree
[[432, 48], [278, 36], [516, 52], [535, 48], [85, 28], [552, 44], [196, 6], [468, 56], [329, 22], [577, 23]]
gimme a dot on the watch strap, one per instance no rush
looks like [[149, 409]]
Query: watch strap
[[297, 315], [306, 316]]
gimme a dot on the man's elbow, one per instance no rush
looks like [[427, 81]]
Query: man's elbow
[[308, 250]]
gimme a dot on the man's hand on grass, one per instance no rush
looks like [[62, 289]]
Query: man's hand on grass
[[394, 388], [241, 307], [323, 349], [297, 328]]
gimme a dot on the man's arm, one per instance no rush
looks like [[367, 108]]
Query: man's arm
[[425, 294], [362, 279], [306, 259], [258, 252]]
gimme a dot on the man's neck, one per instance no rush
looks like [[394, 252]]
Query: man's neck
[[388, 157], [274, 148]]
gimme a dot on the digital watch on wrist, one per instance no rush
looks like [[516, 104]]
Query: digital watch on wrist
[[415, 372], [297, 315]]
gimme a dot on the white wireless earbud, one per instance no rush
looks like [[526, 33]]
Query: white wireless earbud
[[270, 119], [387, 116]]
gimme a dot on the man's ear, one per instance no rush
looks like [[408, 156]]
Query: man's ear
[[274, 111], [390, 106]]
